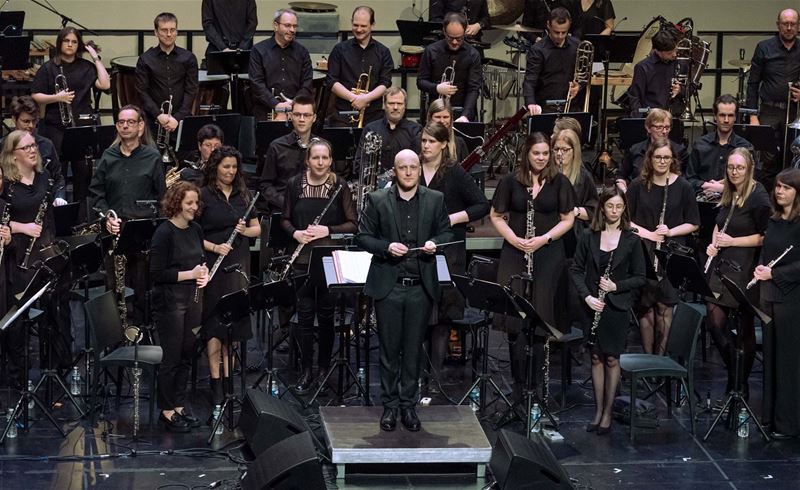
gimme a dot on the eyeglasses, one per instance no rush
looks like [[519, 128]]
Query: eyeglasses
[[302, 115], [565, 149], [211, 146], [738, 169], [661, 127], [31, 147], [287, 26], [128, 122], [454, 38], [661, 158]]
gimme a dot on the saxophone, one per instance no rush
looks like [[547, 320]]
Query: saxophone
[[601, 295], [368, 175], [39, 219], [724, 228], [6, 219], [661, 221]]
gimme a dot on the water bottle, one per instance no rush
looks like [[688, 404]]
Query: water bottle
[[217, 415], [708, 400], [274, 389], [75, 382], [362, 378], [536, 415], [12, 429], [743, 424], [30, 390], [475, 399]]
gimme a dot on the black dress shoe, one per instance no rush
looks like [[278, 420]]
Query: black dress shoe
[[304, 383], [591, 427], [389, 419], [410, 419], [601, 431], [175, 423], [189, 418]]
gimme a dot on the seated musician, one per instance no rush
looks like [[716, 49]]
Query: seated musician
[[209, 138], [279, 66], [654, 84], [441, 111], [475, 12]]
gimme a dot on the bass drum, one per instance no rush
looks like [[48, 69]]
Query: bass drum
[[505, 11]]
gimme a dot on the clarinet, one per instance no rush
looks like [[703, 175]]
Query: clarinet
[[285, 272], [601, 295], [6, 219], [39, 219], [771, 264], [661, 221], [724, 228]]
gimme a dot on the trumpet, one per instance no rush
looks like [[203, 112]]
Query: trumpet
[[449, 77], [279, 115], [583, 72], [64, 108], [162, 137], [362, 87]]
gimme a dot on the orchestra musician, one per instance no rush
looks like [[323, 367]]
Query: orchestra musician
[[82, 77], [737, 239], [229, 25], [209, 138], [594, 17], [536, 12], [307, 194], [780, 298], [551, 65], [465, 203], [475, 12], [178, 269], [441, 111], [224, 198], [360, 55], [451, 68], [659, 214], [279, 66], [537, 179], [5, 238], [774, 67], [609, 258], [654, 84]]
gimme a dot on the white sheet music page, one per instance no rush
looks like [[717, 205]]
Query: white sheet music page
[[351, 267]]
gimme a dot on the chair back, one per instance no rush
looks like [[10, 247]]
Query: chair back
[[682, 341], [102, 318]]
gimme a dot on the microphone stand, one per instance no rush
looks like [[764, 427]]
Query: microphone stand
[[64, 19]]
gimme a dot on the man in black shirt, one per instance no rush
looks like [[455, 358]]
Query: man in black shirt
[[551, 65], [775, 65], [229, 24], [279, 66], [349, 60], [163, 71], [460, 60], [654, 84], [476, 13], [536, 12]]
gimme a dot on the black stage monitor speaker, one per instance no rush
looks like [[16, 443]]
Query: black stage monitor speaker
[[519, 463], [266, 420], [291, 464]]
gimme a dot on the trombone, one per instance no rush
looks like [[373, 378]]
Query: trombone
[[449, 77], [795, 124], [362, 87], [583, 72]]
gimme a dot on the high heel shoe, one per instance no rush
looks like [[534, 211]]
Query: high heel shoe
[[601, 431], [591, 427], [175, 423]]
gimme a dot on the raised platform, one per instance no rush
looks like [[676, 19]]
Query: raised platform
[[450, 435]]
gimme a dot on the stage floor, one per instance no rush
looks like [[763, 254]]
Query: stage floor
[[665, 458]]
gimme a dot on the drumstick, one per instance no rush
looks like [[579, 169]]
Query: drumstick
[[437, 245]]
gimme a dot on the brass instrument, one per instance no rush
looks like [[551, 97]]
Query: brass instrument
[[449, 77], [162, 136], [370, 165], [6, 219], [64, 108], [683, 76], [661, 221], [278, 115], [601, 295], [723, 230], [772, 263], [173, 176], [794, 124], [362, 87], [583, 72], [712, 198], [39, 219]]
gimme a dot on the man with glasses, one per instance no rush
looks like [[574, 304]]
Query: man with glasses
[[476, 13], [280, 69], [349, 60], [460, 61], [658, 124]]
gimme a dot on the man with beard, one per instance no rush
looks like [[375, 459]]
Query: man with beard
[[402, 282]]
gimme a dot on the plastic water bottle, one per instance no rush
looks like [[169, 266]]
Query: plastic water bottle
[[475, 399], [217, 415], [708, 400], [362, 377], [30, 389], [75, 382], [12, 430], [743, 422], [536, 415], [274, 389]]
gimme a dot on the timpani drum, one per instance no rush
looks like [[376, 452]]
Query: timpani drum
[[123, 82]]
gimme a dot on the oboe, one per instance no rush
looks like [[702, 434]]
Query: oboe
[[722, 231], [530, 232], [661, 221], [771, 264], [6, 219], [39, 219], [601, 295]]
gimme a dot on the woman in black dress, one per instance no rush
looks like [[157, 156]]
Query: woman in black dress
[[610, 246], [465, 203], [179, 271], [440, 111], [662, 206], [740, 244], [780, 299], [538, 180], [5, 239], [306, 196], [594, 17], [225, 199]]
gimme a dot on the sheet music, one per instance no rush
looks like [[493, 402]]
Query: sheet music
[[350, 266]]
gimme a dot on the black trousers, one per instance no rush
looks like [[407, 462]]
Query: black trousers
[[315, 301], [402, 320], [772, 163], [175, 322]]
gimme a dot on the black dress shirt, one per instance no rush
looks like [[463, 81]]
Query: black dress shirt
[[535, 12], [229, 24], [174, 250], [348, 60], [708, 158], [474, 10], [159, 75], [408, 220], [652, 84], [287, 70], [549, 70], [632, 163], [406, 134], [773, 68], [81, 76], [284, 160], [120, 181], [468, 77]]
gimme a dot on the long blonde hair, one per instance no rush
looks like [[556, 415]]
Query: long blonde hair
[[571, 168], [728, 189], [10, 169]]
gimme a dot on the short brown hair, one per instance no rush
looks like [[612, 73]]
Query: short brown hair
[[24, 103], [171, 203], [164, 17]]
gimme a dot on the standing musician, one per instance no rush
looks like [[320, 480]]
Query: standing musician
[[608, 269], [5, 239], [737, 239], [780, 299], [662, 205], [178, 269], [451, 69], [474, 12], [349, 60], [774, 67], [654, 84], [594, 17], [279, 66], [307, 195], [441, 111], [229, 24], [396, 131], [536, 179], [72, 102], [163, 71], [402, 282], [224, 198], [465, 203], [551, 65], [209, 138]]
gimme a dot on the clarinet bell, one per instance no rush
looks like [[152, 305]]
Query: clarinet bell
[[133, 334]]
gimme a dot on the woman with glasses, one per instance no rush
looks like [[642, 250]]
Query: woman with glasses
[[736, 242], [662, 207], [441, 111]]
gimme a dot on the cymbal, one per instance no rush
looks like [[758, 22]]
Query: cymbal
[[313, 6], [518, 28], [739, 63]]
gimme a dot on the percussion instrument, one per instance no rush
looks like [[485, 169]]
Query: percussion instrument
[[504, 11], [123, 78], [212, 93], [312, 7], [410, 56], [745, 64], [518, 28]]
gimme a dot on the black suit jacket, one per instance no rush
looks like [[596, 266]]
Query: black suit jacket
[[379, 227], [627, 268]]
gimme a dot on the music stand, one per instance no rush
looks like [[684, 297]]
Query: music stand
[[632, 131], [230, 125], [544, 123], [343, 140], [66, 217], [15, 52], [231, 63], [472, 133], [269, 131], [418, 32], [685, 274], [11, 22], [762, 137]]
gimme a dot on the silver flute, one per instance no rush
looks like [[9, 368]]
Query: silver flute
[[771, 264]]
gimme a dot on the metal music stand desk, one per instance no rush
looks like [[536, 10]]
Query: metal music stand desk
[[15, 52], [762, 137], [87, 142], [230, 125], [12, 22], [266, 133], [66, 217], [233, 64]]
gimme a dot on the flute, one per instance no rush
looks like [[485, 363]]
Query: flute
[[771, 264]]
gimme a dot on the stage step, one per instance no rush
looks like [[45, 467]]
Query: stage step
[[449, 435]]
